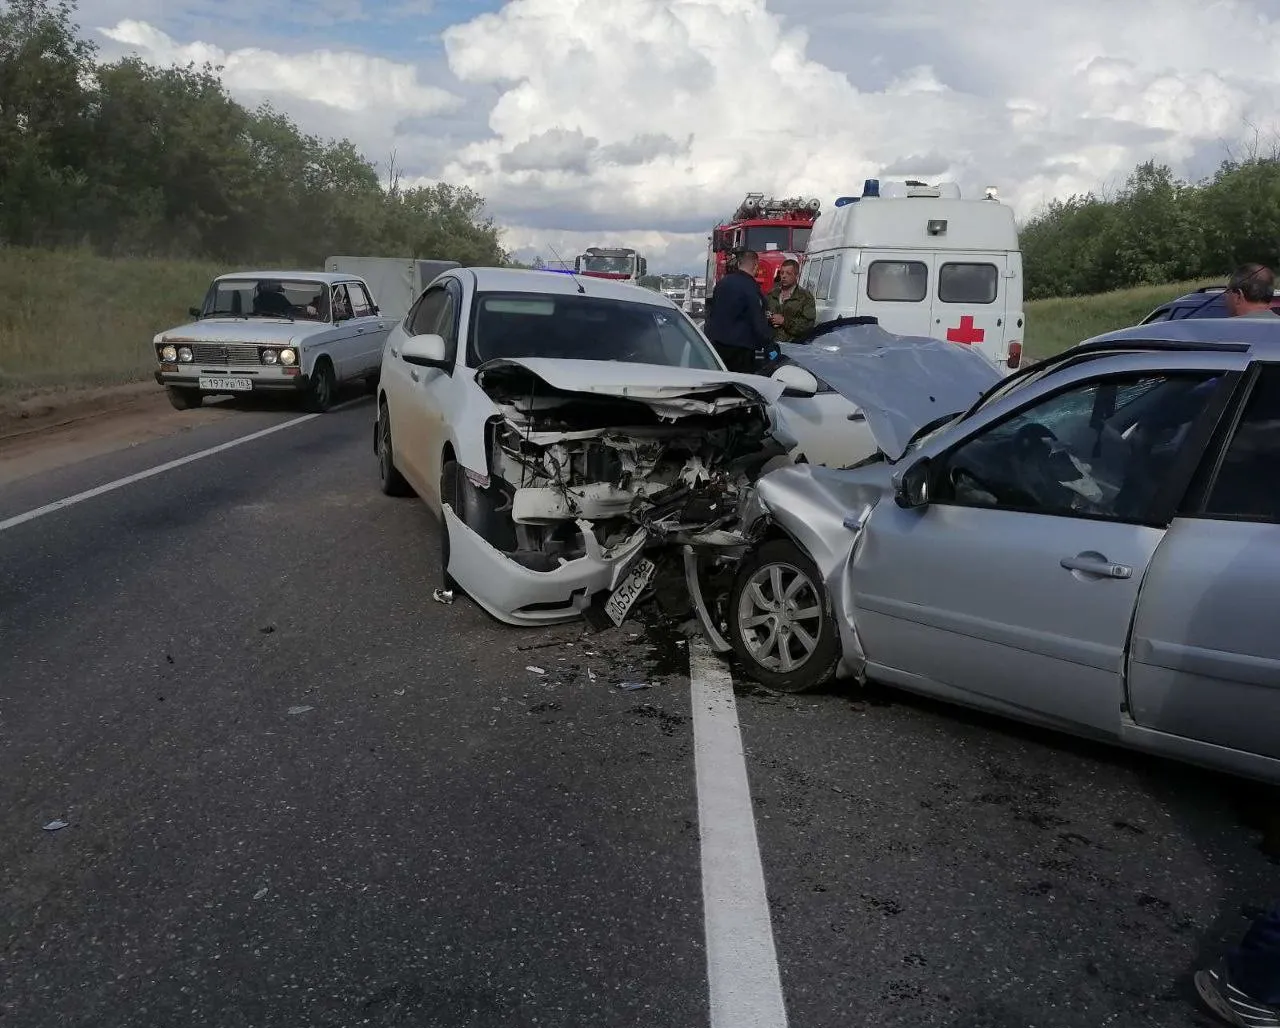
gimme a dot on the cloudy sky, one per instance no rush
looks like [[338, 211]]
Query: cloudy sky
[[642, 122]]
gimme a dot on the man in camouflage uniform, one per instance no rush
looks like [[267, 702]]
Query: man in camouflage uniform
[[791, 307]]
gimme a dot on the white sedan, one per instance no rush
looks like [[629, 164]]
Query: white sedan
[[562, 427]]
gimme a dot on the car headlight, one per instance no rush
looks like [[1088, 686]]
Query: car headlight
[[269, 357], [185, 355], [168, 354], [288, 358]]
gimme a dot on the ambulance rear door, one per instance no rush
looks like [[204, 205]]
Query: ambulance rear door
[[895, 285], [969, 299]]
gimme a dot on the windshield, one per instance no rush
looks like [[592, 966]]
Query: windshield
[[268, 297], [578, 327], [608, 265], [763, 238], [800, 239], [673, 282]]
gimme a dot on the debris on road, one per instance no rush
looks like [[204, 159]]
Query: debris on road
[[56, 826], [267, 629], [299, 710], [536, 670], [633, 686], [260, 893], [442, 595]]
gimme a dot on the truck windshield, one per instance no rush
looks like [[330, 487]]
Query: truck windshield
[[800, 239], [576, 327], [762, 238], [268, 297], [607, 265]]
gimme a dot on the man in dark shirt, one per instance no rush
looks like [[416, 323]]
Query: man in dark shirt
[[736, 323]]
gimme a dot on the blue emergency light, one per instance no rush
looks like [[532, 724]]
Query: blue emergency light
[[871, 187]]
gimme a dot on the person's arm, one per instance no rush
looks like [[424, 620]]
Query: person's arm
[[760, 326]]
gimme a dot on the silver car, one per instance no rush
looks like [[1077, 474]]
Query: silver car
[[1094, 546]]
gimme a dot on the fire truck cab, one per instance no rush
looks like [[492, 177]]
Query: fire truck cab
[[621, 263], [923, 261], [775, 229]]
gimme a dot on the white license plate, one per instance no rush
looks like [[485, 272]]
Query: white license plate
[[227, 385], [625, 596]]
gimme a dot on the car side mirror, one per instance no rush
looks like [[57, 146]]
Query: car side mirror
[[798, 381], [194, 311], [426, 351], [912, 486]]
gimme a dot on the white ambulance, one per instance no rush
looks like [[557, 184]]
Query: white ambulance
[[923, 261]]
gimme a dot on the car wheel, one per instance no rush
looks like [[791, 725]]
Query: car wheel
[[321, 388], [449, 476], [184, 399], [393, 483], [780, 619]]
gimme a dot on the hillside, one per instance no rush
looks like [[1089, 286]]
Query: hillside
[[75, 319]]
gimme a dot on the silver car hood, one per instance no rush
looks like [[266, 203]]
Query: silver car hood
[[901, 383], [649, 383]]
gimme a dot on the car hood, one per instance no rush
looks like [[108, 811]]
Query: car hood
[[900, 383], [240, 330], [650, 383]]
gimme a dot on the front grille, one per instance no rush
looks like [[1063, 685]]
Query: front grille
[[226, 354]]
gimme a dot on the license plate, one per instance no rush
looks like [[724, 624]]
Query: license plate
[[625, 596], [227, 385]]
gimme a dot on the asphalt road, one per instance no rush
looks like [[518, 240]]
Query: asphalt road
[[298, 792]]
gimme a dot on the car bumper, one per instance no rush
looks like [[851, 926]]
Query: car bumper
[[261, 379], [518, 596]]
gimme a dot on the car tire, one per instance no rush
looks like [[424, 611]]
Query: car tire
[[798, 649], [184, 399], [449, 476], [393, 483], [321, 388]]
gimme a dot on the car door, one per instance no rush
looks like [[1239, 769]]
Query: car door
[[895, 286], [968, 301], [1205, 657], [370, 331], [340, 343], [406, 396], [442, 393], [1015, 586]]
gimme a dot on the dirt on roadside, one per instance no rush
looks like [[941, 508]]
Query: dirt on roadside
[[42, 431]]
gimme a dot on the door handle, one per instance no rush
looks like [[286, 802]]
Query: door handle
[[1096, 565], [413, 375], [395, 352]]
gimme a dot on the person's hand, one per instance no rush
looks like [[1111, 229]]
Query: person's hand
[[776, 320]]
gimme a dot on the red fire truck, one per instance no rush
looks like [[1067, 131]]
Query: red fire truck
[[775, 229], [620, 263]]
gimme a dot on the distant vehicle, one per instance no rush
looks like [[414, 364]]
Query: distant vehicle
[[676, 288], [621, 264], [1091, 546], [395, 281], [696, 307], [1205, 302], [923, 261], [305, 332], [777, 230]]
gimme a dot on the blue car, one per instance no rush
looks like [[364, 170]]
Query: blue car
[[1205, 302]]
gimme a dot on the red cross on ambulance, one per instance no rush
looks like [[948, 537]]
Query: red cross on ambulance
[[967, 332]]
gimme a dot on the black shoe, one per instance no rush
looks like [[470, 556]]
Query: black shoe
[[1232, 1005]]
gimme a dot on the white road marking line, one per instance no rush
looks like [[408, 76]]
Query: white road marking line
[[159, 469], [742, 963]]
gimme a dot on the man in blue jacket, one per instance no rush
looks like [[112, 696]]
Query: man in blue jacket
[[736, 323]]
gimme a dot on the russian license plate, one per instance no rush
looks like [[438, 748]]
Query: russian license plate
[[227, 385], [625, 596]]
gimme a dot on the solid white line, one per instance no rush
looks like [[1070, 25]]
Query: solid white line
[[742, 963], [159, 469]]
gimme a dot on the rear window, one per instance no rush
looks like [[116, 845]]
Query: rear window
[[968, 283], [897, 281]]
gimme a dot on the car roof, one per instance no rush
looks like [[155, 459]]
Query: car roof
[[327, 277], [1259, 337], [520, 280], [1203, 295]]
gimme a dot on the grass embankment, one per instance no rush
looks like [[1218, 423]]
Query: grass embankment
[[72, 319], [1053, 325]]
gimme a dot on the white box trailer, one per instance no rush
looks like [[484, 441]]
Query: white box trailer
[[923, 261], [394, 281]]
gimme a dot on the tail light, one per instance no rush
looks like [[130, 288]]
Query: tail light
[[1015, 353]]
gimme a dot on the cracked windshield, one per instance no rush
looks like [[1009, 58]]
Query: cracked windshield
[[479, 548]]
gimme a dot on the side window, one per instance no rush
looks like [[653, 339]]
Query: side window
[[823, 292], [968, 283], [1247, 485], [361, 307], [897, 281], [426, 312], [1163, 314], [447, 324], [1099, 449], [341, 303]]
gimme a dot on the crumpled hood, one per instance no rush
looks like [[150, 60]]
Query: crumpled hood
[[901, 383], [267, 331], [643, 382]]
